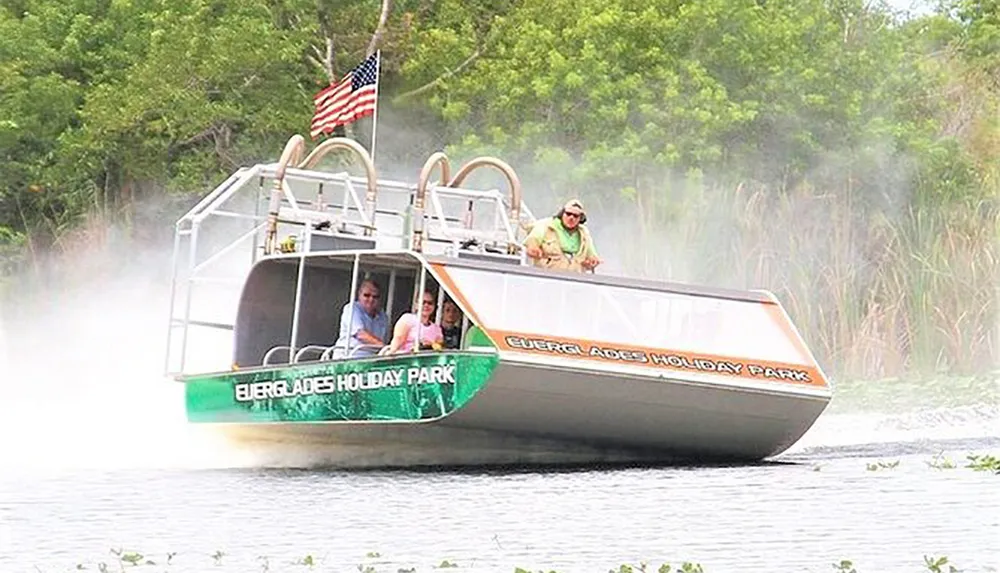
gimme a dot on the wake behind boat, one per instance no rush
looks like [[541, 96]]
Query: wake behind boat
[[547, 365]]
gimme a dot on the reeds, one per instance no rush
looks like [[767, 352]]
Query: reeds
[[875, 293]]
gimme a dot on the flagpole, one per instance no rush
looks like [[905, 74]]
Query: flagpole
[[378, 66]]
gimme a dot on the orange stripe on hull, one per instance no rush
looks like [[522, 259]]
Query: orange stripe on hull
[[657, 358]]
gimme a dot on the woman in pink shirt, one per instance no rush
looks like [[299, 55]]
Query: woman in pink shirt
[[404, 335]]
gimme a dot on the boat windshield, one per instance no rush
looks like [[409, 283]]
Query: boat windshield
[[562, 308]]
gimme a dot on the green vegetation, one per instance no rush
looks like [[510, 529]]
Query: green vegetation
[[984, 463], [880, 465], [130, 560], [977, 462], [845, 158], [910, 394], [940, 462]]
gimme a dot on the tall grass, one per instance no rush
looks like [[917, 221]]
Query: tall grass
[[875, 293]]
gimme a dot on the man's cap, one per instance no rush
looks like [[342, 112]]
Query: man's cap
[[574, 206]]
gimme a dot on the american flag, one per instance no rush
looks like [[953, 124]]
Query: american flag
[[351, 98]]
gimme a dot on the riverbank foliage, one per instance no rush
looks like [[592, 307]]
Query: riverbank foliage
[[832, 151]]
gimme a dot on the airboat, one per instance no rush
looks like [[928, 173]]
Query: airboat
[[552, 365]]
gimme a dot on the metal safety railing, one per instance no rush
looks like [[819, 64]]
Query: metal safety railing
[[224, 234]]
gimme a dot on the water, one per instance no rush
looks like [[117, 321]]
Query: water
[[97, 456]]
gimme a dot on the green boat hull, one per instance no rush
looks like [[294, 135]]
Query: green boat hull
[[414, 388]]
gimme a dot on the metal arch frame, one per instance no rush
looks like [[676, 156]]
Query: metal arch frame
[[507, 211]]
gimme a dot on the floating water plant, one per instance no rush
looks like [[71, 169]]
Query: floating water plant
[[941, 462], [937, 565], [880, 465], [131, 557], [845, 566], [984, 463], [129, 560]]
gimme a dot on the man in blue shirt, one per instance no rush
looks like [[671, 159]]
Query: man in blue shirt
[[369, 324]]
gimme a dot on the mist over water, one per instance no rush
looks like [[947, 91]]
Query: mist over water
[[84, 362], [84, 367]]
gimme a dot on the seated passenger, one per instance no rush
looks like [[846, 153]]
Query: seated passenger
[[368, 326], [451, 324], [562, 241], [404, 335]]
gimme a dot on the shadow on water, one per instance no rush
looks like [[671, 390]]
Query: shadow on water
[[510, 469]]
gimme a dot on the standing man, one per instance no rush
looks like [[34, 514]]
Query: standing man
[[368, 326], [562, 241]]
